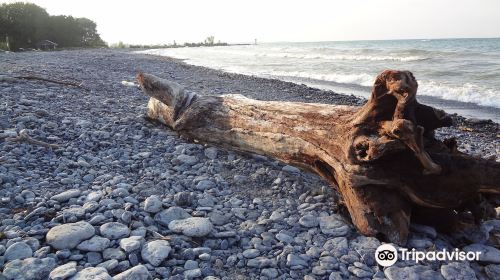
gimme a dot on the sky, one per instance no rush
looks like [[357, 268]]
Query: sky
[[233, 21]]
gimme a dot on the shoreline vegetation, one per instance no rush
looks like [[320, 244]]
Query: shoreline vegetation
[[26, 26], [208, 42]]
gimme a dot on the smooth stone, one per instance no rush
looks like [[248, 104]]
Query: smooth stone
[[193, 227], [138, 272], [284, 238], [277, 215], [183, 198], [190, 264], [419, 243], [204, 257], [153, 204], [113, 254], [333, 225], [207, 201], [488, 253], [291, 169], [18, 250], [457, 271], [29, 269], [66, 195], [218, 218], [173, 213], [109, 265], [94, 244], [205, 185], [94, 258], [192, 273], [427, 230], [92, 273], [261, 262], [154, 252], [271, 273], [119, 192], [95, 196], [97, 219], [189, 160], [294, 260], [411, 272], [492, 271], [131, 243], [42, 252], [360, 273], [68, 236], [309, 221], [251, 253], [335, 276], [211, 153], [114, 230], [63, 271]]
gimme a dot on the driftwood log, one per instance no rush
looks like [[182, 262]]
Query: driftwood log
[[382, 157]]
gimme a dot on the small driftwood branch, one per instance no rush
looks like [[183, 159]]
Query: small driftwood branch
[[382, 157], [25, 138], [67, 83]]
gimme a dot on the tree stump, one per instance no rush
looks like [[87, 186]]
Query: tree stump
[[382, 157]]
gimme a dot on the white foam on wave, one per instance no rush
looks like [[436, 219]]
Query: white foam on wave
[[362, 79], [344, 57], [184, 53], [467, 92]]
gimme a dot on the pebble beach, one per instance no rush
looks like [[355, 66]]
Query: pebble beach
[[123, 198]]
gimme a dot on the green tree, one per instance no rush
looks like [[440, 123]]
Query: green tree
[[209, 40], [22, 25], [89, 36]]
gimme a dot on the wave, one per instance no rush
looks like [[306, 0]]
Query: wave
[[184, 54], [354, 68], [362, 79], [344, 57], [468, 92]]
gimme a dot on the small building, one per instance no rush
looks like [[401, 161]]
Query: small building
[[46, 45]]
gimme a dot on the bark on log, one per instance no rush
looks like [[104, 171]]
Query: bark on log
[[381, 157]]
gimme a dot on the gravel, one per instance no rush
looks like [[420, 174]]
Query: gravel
[[125, 198]]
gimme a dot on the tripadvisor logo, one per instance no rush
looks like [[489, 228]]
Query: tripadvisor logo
[[387, 255]]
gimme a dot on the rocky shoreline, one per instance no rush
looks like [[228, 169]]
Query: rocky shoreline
[[122, 198]]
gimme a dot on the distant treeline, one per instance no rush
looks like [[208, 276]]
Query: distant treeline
[[209, 42], [23, 25]]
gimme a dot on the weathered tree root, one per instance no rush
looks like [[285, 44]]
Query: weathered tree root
[[66, 83], [25, 138], [381, 157]]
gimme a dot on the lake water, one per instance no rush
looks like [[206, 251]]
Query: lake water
[[459, 75]]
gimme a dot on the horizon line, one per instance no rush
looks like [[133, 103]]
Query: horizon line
[[320, 41]]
